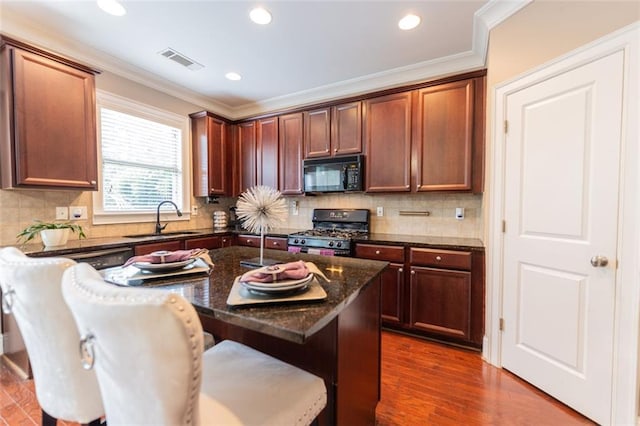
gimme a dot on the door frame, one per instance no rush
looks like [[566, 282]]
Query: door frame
[[627, 293]]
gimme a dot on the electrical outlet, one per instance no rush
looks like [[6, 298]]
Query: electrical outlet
[[194, 210], [459, 213], [62, 213], [296, 208], [380, 211], [78, 212]]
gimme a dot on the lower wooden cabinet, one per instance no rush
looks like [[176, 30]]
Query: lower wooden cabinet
[[142, 249], [210, 243], [274, 243], [391, 294], [431, 292], [440, 301]]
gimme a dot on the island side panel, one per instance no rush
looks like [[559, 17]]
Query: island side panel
[[359, 352]]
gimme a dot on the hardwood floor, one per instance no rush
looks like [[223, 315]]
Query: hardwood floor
[[423, 383]]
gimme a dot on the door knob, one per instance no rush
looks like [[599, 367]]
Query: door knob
[[599, 261]]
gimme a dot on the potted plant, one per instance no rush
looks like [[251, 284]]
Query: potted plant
[[52, 233]]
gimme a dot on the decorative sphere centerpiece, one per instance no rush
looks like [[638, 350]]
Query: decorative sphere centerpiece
[[260, 209]]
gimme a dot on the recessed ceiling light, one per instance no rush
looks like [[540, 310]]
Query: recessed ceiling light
[[234, 76], [260, 16], [409, 22], [112, 7]]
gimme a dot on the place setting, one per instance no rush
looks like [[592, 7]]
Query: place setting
[[287, 282], [142, 270]]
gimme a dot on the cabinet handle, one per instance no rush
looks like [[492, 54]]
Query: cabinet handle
[[377, 251], [400, 270], [413, 272], [93, 182], [438, 258], [248, 241], [335, 149], [275, 243]]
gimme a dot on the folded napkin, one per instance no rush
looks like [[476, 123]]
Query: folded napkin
[[286, 271], [172, 256]]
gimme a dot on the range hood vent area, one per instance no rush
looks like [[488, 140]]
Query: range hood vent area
[[181, 59]]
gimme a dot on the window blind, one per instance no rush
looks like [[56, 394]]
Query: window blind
[[141, 162]]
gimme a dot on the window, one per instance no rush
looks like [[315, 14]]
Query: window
[[143, 160]]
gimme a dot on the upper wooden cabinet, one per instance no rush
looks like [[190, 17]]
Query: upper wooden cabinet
[[290, 147], [429, 139], [47, 120], [387, 136], [210, 155], [267, 141], [447, 137], [333, 130], [247, 152]]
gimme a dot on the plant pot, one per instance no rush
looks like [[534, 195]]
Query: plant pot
[[54, 237]]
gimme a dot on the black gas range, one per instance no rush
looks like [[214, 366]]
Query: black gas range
[[333, 232]]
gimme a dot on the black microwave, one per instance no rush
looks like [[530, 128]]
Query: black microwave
[[337, 174]]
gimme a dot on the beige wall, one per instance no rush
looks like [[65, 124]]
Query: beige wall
[[539, 33]]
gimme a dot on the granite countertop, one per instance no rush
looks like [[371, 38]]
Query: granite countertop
[[75, 245], [295, 322], [451, 243]]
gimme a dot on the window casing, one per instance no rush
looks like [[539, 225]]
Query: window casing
[[143, 159]]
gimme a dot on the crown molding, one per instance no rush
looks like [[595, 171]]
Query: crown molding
[[490, 15]]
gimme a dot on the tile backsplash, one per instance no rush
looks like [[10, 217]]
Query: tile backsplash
[[18, 209]]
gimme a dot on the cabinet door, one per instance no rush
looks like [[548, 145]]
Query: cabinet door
[[209, 153], [346, 128], [54, 124], [440, 302], [391, 294], [247, 155], [444, 131], [290, 141], [267, 141], [387, 130], [317, 133]]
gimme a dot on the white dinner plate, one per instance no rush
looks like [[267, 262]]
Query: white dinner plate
[[162, 267], [279, 286]]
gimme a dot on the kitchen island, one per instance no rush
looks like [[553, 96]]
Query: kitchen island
[[337, 339]]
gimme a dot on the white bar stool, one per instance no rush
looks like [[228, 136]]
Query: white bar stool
[[146, 347]]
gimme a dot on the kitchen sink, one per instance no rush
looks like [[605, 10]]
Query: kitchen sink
[[164, 234]]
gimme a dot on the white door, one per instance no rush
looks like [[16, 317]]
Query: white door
[[562, 162]]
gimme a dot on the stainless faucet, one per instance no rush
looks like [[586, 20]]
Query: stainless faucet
[[159, 227]]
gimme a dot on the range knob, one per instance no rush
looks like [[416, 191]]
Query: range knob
[[330, 243], [339, 244], [303, 241], [296, 241]]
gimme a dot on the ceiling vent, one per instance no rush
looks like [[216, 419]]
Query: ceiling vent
[[178, 57]]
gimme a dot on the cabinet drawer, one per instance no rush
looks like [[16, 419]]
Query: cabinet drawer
[[249, 240], [276, 243], [204, 242], [379, 252], [149, 248], [440, 258]]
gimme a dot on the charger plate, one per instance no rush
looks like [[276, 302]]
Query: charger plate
[[242, 296], [132, 276]]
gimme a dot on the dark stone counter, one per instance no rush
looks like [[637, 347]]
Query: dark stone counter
[[424, 241], [295, 322]]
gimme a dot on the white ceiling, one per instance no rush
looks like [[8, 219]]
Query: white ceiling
[[312, 51]]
